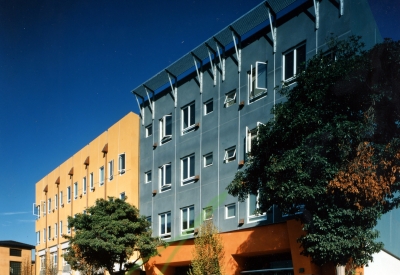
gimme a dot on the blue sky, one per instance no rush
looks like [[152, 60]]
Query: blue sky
[[67, 69]]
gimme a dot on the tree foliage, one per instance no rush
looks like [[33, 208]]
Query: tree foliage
[[208, 253], [333, 149], [110, 233]]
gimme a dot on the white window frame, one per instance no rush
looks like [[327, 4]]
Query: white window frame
[[111, 170], [75, 190], [230, 154], [49, 205], [295, 65], [122, 195], [164, 216], [38, 237], [253, 81], [44, 235], [61, 228], [206, 104], [43, 262], [251, 217], [205, 159], [191, 115], [249, 136], [84, 184], [101, 175], [190, 177], [56, 201], [49, 232], [164, 185], [44, 209], [227, 209], [69, 194], [186, 213], [38, 210], [68, 228], [230, 98], [146, 176], [207, 213], [55, 231], [149, 130], [61, 199], [121, 163], [54, 258], [164, 136], [91, 181]]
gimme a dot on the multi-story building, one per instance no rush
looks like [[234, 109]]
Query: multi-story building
[[199, 116], [16, 257], [107, 166]]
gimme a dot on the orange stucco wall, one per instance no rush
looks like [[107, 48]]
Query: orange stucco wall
[[269, 239]]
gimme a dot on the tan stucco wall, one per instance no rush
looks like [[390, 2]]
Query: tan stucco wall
[[5, 258]]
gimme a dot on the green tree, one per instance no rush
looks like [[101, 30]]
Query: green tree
[[110, 234], [208, 253], [333, 149]]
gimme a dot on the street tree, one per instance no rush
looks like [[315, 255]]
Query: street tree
[[208, 252], [333, 150], [110, 236]]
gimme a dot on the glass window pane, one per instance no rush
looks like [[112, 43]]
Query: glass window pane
[[289, 63], [191, 217], [168, 125], [168, 222], [184, 219], [301, 58], [168, 174], [192, 114], [261, 76], [185, 118], [191, 166], [185, 168], [252, 204], [231, 211]]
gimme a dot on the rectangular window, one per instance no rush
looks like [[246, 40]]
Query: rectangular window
[[49, 206], [42, 262], [101, 175], [253, 207], [68, 228], [15, 252], [75, 190], [111, 170], [54, 259], [56, 201], [230, 98], [44, 235], [149, 130], [61, 199], [294, 62], [147, 177], [208, 107], [165, 225], [187, 169], [44, 208], [230, 211], [38, 237], [38, 210], [257, 80], [165, 128], [91, 179], [208, 159], [165, 176], [188, 118], [187, 217], [230, 154], [61, 228], [122, 196], [251, 136], [15, 268], [121, 164], [207, 213], [49, 232], [149, 221], [55, 230], [69, 194], [84, 184]]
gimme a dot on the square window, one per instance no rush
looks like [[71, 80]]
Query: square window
[[208, 159], [187, 218], [230, 211], [230, 154], [91, 179], [165, 177], [121, 164], [187, 169], [165, 225], [149, 130], [294, 62], [101, 175], [84, 184], [208, 107], [207, 213], [188, 118], [75, 190], [230, 98], [147, 177], [165, 129], [111, 170]]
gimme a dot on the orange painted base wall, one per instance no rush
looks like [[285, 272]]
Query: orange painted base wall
[[262, 240]]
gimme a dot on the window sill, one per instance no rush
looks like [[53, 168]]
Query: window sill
[[187, 232], [165, 140], [189, 129], [256, 218], [257, 97], [188, 180], [165, 187]]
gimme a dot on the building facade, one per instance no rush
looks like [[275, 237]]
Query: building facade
[[16, 258], [199, 116], [107, 166]]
